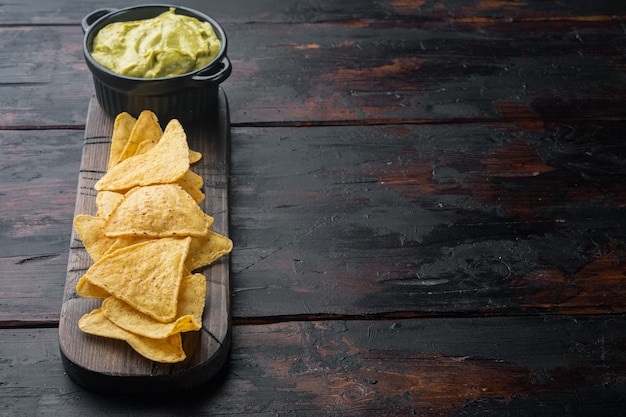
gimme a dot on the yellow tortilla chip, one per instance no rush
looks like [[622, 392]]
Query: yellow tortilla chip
[[194, 156], [168, 350], [146, 129], [193, 179], [195, 193], [90, 230], [161, 210], [147, 275], [122, 127], [206, 250], [85, 289], [193, 183], [145, 146], [106, 202], [166, 162], [125, 241], [149, 232], [191, 300]]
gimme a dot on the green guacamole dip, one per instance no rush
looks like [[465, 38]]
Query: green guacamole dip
[[164, 46]]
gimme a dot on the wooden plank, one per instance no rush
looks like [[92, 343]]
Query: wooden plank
[[523, 366], [358, 72], [395, 220], [69, 12], [37, 165], [31, 287], [108, 365], [37, 192]]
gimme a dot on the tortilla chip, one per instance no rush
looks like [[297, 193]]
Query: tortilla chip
[[86, 289], [146, 129], [195, 193], [125, 241], [145, 146], [166, 162], [122, 127], [106, 202], [168, 350], [149, 232], [194, 156], [206, 250], [147, 275], [193, 179], [90, 230], [191, 300], [161, 210], [193, 183]]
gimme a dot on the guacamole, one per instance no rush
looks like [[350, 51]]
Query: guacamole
[[164, 46]]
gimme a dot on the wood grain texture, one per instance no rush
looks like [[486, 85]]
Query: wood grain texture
[[36, 12], [112, 366], [426, 203], [36, 165], [420, 220], [524, 366], [38, 177], [397, 220], [411, 70]]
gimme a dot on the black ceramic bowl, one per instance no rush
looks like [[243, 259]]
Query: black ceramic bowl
[[184, 97]]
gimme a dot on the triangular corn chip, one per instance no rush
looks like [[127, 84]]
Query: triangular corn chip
[[194, 156], [191, 298], [106, 202], [90, 230], [122, 127], [193, 179], [168, 350], [146, 275], [85, 289], [166, 162], [146, 129], [161, 210], [206, 250], [125, 241], [195, 193]]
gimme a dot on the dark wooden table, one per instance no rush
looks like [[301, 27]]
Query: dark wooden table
[[427, 201]]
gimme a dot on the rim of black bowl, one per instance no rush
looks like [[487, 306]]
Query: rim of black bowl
[[104, 20]]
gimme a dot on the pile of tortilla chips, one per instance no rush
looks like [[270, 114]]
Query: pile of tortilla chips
[[148, 236]]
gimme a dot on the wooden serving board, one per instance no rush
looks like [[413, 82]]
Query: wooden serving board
[[111, 366]]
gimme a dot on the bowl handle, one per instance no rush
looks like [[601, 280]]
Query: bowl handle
[[91, 18], [218, 76]]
